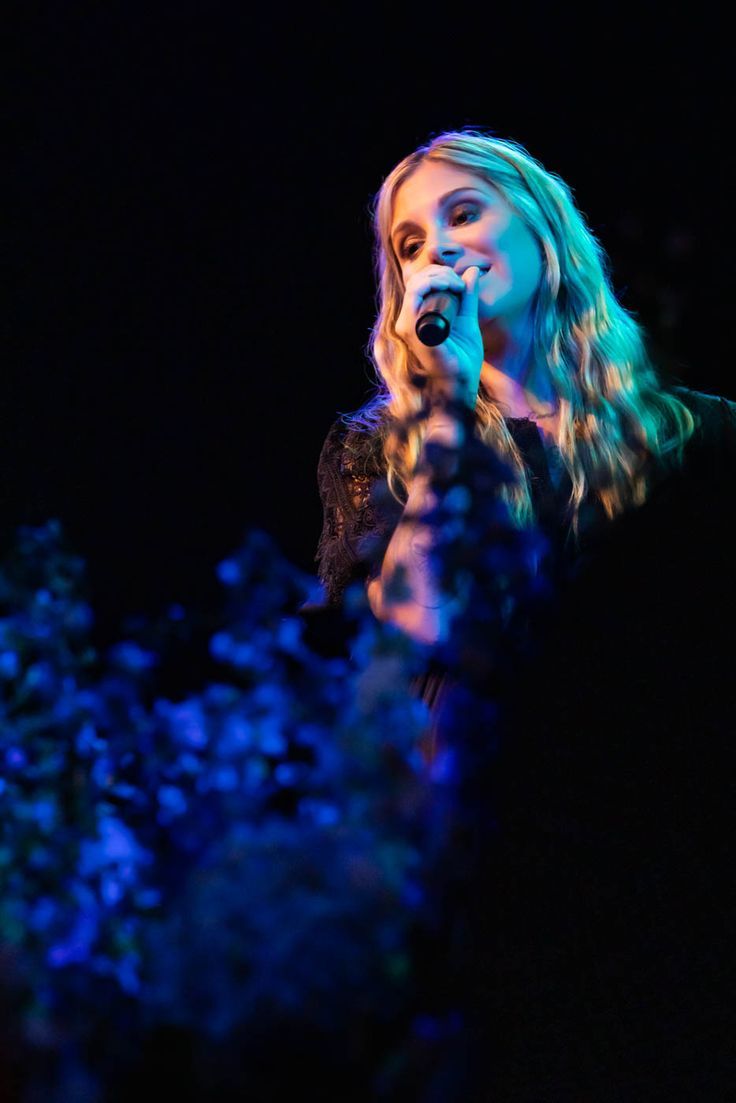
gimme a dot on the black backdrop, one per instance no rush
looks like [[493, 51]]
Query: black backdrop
[[191, 290]]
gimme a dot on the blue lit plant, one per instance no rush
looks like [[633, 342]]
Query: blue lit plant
[[247, 853], [249, 859]]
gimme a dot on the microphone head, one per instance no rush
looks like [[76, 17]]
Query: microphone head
[[436, 317], [432, 329]]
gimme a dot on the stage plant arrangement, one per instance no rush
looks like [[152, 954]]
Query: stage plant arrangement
[[243, 883]]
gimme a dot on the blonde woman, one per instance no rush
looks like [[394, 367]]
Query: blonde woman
[[612, 898], [551, 367]]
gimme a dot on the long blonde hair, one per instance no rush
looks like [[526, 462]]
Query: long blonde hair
[[614, 413]]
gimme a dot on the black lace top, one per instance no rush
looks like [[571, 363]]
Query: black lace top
[[650, 551], [360, 514]]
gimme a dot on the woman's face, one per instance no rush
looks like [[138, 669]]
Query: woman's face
[[447, 215]]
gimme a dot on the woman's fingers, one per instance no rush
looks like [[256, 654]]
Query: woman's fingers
[[469, 302], [433, 278]]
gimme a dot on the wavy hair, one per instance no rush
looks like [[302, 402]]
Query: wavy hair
[[615, 415]]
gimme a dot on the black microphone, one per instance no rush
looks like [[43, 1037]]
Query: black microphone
[[438, 312], [436, 315]]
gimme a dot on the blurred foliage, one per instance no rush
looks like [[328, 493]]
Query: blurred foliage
[[250, 852], [252, 862]]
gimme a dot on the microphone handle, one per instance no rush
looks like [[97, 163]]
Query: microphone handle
[[437, 313]]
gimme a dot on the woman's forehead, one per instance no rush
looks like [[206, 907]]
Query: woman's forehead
[[429, 183]]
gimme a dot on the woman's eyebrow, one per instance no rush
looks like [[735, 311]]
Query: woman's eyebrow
[[407, 224]]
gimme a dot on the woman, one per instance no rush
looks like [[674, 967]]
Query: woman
[[612, 786], [553, 369]]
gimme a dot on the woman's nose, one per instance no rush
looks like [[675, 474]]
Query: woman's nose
[[442, 251]]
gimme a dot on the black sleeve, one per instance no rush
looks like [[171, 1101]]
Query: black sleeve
[[359, 514]]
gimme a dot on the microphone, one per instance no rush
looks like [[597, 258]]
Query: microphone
[[438, 312], [436, 316]]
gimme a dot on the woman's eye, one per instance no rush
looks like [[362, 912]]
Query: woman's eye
[[463, 213], [460, 216]]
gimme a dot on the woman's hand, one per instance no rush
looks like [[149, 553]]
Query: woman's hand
[[453, 367]]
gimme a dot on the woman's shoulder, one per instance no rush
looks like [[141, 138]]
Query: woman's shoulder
[[354, 440], [707, 461], [715, 415]]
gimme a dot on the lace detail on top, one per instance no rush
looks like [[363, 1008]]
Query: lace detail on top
[[359, 512]]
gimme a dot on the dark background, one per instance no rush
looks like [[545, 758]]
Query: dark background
[[191, 287]]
